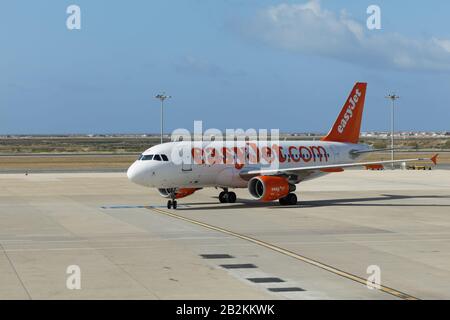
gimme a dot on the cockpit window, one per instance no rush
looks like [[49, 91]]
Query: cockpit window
[[146, 157], [157, 157]]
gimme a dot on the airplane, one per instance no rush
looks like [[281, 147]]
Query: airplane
[[226, 165]]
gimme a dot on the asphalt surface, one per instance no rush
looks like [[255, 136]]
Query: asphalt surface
[[128, 245]]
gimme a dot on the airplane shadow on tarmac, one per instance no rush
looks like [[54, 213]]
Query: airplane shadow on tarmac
[[365, 202]]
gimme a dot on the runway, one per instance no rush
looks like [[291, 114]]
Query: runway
[[128, 245]]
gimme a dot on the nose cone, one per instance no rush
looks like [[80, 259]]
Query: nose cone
[[135, 173], [131, 172]]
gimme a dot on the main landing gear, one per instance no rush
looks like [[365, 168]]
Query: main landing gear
[[227, 197], [172, 203], [289, 200]]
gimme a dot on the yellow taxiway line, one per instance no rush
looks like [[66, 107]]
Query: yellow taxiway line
[[286, 252]]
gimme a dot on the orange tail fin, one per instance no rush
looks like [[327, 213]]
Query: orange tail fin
[[434, 158], [348, 124]]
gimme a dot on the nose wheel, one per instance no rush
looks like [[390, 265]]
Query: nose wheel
[[227, 197], [172, 204], [289, 200]]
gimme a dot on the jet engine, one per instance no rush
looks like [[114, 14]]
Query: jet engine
[[269, 188], [165, 193]]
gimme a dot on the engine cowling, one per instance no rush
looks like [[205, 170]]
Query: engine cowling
[[165, 193], [184, 192], [269, 188], [180, 193]]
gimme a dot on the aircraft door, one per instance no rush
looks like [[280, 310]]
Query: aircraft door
[[186, 156]]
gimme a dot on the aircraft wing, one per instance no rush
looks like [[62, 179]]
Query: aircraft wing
[[356, 152], [331, 167]]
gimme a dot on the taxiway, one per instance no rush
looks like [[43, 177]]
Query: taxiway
[[129, 246]]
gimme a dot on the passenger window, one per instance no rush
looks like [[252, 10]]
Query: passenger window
[[157, 157], [164, 157]]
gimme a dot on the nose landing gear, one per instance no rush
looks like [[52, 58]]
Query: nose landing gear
[[227, 197], [172, 203]]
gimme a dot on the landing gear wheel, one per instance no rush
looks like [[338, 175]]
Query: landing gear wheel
[[289, 200], [231, 197], [222, 197], [227, 197], [172, 203]]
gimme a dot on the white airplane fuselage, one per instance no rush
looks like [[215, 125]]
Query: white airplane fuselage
[[201, 171]]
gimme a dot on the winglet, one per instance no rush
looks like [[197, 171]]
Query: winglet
[[434, 158]]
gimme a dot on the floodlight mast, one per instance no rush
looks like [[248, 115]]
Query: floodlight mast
[[392, 97], [162, 97]]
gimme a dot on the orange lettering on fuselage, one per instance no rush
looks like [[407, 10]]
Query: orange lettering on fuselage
[[251, 154], [197, 155]]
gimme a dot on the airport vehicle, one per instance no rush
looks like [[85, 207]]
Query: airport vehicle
[[416, 167], [269, 169]]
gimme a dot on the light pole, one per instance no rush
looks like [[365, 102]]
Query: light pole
[[392, 97], [162, 97]]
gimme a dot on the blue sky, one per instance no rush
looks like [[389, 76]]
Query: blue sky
[[230, 63]]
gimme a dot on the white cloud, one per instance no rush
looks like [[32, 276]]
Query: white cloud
[[308, 28]]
